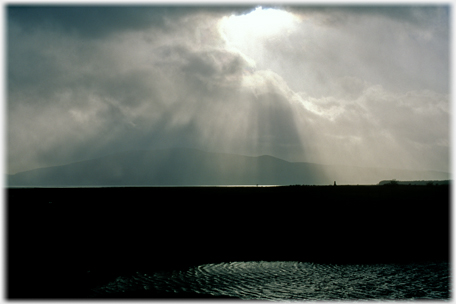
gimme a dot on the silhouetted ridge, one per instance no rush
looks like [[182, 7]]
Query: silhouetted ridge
[[194, 167]]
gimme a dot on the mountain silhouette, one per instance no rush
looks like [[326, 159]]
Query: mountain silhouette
[[194, 167]]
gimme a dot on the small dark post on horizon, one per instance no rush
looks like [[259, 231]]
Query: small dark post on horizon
[[335, 183]]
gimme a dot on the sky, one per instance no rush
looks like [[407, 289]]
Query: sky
[[354, 85]]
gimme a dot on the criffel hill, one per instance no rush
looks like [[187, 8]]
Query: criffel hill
[[195, 167]]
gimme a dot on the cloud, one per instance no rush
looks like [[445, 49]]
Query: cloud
[[371, 43], [383, 123], [102, 21], [90, 81]]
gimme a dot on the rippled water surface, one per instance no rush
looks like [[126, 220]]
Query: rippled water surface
[[294, 281]]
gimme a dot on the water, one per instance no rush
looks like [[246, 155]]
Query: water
[[145, 186], [289, 281]]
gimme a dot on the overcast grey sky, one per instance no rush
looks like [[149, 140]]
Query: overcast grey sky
[[352, 85]]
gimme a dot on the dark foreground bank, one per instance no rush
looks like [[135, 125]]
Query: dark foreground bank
[[62, 243]]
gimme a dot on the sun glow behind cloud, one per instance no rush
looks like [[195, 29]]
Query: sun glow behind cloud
[[249, 31], [335, 86], [260, 23]]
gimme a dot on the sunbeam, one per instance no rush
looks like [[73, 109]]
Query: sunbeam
[[299, 83]]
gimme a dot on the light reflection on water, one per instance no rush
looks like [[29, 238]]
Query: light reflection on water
[[146, 186], [295, 281]]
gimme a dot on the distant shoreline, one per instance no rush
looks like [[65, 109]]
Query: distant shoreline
[[381, 183]]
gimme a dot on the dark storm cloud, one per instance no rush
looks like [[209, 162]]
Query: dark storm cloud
[[97, 21], [91, 22], [418, 15]]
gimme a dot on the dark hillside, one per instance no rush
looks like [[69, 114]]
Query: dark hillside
[[194, 167], [173, 167]]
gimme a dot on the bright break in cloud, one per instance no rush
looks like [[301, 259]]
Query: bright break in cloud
[[350, 85]]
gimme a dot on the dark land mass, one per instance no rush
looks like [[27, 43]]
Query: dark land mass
[[62, 242], [416, 182], [195, 167]]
